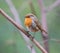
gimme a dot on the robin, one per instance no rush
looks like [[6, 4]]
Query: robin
[[30, 24]]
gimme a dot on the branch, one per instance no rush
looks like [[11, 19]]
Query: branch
[[44, 24], [51, 7], [16, 17], [22, 30], [32, 8], [56, 40]]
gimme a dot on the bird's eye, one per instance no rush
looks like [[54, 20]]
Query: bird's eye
[[31, 16], [27, 16]]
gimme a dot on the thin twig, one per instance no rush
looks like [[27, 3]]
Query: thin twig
[[22, 30], [44, 24], [32, 8], [56, 40], [52, 6], [17, 19]]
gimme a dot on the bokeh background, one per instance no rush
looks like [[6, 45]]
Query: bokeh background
[[11, 41]]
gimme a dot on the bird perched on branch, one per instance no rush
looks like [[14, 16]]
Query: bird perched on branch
[[32, 23]]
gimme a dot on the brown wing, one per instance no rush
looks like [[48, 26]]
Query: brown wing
[[36, 21]]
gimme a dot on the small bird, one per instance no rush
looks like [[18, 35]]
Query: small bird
[[30, 23]]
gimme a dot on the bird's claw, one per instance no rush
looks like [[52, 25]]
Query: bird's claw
[[27, 31]]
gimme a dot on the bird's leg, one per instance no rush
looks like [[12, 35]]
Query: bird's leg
[[34, 35]]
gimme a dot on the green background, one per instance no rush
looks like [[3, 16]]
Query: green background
[[11, 41]]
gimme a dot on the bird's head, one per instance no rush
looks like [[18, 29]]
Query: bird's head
[[30, 15]]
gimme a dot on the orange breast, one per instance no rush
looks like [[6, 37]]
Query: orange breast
[[28, 22]]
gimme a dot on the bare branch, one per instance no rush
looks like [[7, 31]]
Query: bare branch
[[13, 10], [44, 24], [16, 17], [56, 40], [51, 7], [32, 7], [22, 30]]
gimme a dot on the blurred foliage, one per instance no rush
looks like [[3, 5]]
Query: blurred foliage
[[11, 41]]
